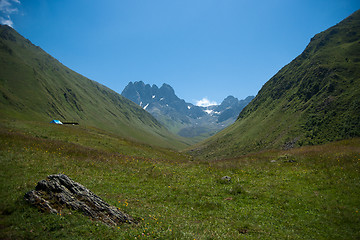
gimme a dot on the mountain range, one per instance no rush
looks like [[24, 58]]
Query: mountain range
[[313, 100], [181, 117], [244, 182], [34, 86]]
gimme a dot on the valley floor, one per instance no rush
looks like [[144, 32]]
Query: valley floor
[[306, 193]]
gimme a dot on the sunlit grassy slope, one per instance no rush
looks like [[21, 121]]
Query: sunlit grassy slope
[[313, 100], [306, 193], [310, 192], [36, 87]]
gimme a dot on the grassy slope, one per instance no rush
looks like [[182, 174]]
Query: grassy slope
[[36, 87], [314, 99], [305, 193]]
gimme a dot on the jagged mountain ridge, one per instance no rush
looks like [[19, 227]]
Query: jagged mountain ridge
[[183, 118], [314, 99], [34, 86]]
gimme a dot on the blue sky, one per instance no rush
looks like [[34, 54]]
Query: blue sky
[[202, 48]]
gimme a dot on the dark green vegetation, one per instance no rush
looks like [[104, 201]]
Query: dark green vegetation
[[35, 86], [315, 99], [309, 192], [306, 193]]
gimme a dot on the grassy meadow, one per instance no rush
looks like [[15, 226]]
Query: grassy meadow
[[305, 193]]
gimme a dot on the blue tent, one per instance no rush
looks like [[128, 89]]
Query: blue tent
[[56, 122]]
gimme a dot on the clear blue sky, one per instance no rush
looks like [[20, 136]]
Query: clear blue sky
[[202, 48]]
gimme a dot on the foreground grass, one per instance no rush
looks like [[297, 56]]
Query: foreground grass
[[305, 193]]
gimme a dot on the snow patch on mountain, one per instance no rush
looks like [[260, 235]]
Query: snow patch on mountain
[[210, 112], [183, 118], [205, 102]]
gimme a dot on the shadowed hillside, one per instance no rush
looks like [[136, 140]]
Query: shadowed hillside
[[34, 86], [313, 100]]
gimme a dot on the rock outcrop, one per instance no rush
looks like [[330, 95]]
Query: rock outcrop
[[59, 191]]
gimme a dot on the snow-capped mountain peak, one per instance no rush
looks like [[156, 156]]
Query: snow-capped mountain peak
[[177, 114]]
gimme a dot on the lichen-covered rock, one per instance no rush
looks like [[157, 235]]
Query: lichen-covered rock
[[59, 191]]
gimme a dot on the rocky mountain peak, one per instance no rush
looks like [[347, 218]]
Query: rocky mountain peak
[[230, 100], [181, 117]]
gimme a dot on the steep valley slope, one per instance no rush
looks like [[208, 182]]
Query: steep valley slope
[[36, 87], [313, 100]]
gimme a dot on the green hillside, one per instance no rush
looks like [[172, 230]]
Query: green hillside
[[310, 192], [312, 100], [36, 87]]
